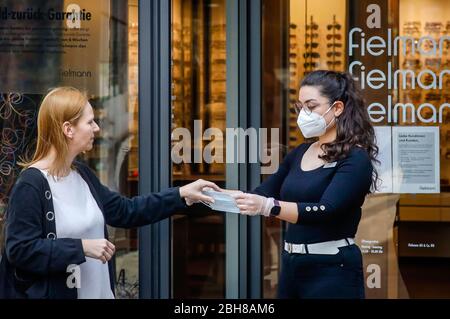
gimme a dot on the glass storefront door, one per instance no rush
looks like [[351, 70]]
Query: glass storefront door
[[97, 53], [198, 103]]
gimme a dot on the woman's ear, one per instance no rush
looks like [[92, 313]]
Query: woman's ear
[[338, 108], [68, 129]]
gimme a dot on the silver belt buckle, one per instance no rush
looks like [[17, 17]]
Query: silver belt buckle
[[289, 248]]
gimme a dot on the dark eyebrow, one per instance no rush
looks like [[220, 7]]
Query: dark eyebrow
[[310, 100]]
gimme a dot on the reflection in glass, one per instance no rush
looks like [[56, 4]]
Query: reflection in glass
[[423, 218], [110, 77], [198, 101]]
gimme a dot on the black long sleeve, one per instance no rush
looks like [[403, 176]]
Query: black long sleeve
[[120, 211], [272, 185], [345, 192]]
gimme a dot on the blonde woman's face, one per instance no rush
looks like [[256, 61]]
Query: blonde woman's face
[[84, 132]]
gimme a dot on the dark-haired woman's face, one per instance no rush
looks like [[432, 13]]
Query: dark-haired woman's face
[[313, 101]]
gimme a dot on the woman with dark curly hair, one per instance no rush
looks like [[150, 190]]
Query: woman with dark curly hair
[[319, 190]]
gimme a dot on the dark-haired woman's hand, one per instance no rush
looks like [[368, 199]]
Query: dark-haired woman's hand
[[252, 204]]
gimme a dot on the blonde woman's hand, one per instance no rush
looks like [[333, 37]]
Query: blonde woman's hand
[[193, 192], [100, 249]]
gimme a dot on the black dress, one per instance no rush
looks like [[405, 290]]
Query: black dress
[[329, 201]]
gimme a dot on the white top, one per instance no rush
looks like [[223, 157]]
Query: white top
[[77, 215]]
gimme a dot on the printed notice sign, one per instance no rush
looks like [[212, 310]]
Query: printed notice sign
[[416, 159], [44, 44], [384, 168]]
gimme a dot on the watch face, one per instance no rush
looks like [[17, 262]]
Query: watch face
[[275, 211]]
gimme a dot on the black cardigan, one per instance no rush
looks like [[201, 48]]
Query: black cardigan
[[38, 259]]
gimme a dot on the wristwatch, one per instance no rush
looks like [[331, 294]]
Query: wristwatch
[[276, 209]]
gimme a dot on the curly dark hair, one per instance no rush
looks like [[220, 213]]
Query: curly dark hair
[[353, 127]]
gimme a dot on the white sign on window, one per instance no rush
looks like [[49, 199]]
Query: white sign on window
[[56, 43], [415, 159]]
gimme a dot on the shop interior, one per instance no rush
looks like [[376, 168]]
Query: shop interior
[[198, 102], [300, 36], [425, 218]]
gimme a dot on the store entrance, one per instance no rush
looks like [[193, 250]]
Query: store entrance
[[198, 103]]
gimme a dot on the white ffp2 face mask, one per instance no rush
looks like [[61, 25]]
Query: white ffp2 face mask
[[222, 202], [314, 124]]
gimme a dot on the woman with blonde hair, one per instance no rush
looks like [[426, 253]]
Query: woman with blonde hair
[[56, 237]]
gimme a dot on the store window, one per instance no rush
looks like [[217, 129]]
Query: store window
[[95, 51], [423, 219], [198, 104], [404, 231]]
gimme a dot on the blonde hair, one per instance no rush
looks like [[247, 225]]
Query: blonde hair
[[62, 104]]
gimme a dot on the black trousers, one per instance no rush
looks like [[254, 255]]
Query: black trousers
[[322, 276]]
